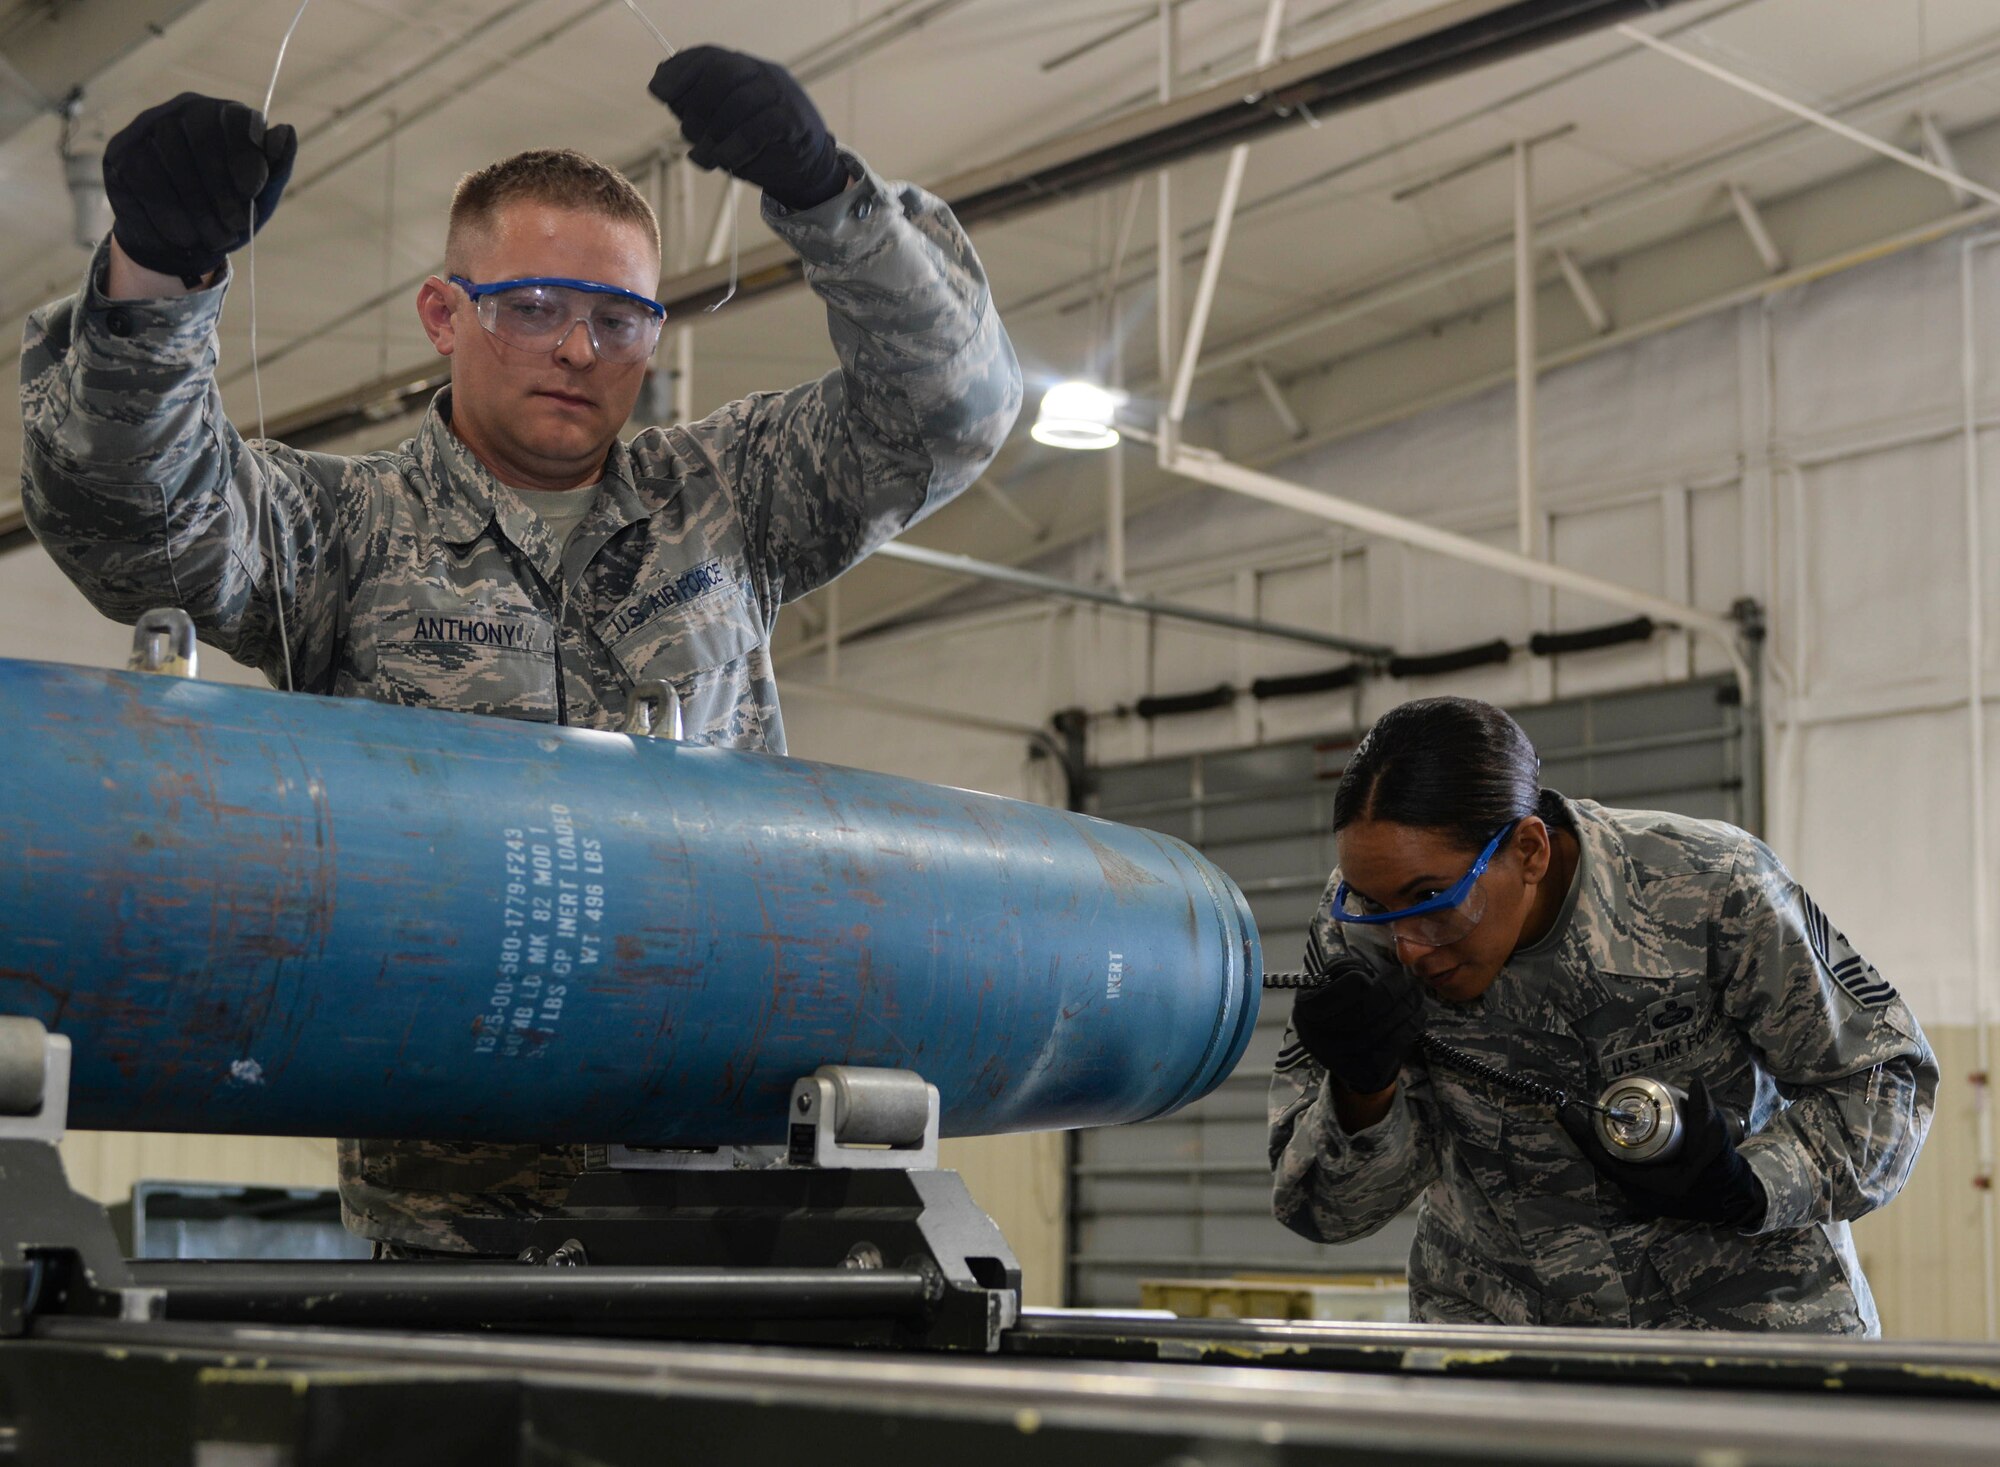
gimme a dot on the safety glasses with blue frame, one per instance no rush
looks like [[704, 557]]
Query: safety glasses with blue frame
[[1437, 920], [538, 312]]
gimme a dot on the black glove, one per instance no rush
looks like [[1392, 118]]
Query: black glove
[[751, 118], [192, 179], [1706, 1181], [1359, 1024]]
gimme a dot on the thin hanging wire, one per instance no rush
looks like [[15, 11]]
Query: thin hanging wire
[[735, 245], [735, 190], [256, 376], [388, 244], [665, 44], [269, 532]]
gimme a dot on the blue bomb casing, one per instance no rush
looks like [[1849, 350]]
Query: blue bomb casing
[[291, 915]]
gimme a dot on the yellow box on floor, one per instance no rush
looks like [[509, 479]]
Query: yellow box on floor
[[1363, 1296]]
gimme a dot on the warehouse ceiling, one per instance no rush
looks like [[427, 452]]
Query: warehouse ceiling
[[1361, 231]]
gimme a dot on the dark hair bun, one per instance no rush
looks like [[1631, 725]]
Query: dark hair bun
[[1450, 764]]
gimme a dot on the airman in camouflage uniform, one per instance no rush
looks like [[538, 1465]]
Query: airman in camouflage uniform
[[1685, 949], [413, 576]]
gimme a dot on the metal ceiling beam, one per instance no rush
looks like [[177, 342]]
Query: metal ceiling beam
[[1218, 236], [1443, 41], [1937, 147], [1587, 299], [1062, 295], [58, 47], [1280, 404]]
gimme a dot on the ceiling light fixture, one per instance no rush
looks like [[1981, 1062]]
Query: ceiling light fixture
[[1077, 414]]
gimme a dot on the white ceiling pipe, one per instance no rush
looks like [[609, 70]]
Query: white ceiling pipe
[[1752, 220], [1526, 366], [1213, 469], [1280, 404], [1218, 238], [1587, 299], [1937, 147], [1041, 585]]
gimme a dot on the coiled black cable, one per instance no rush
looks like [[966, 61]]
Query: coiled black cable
[[1292, 980], [1447, 1054], [1470, 1064]]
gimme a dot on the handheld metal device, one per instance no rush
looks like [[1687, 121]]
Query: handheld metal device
[[1643, 1119], [1637, 1119]]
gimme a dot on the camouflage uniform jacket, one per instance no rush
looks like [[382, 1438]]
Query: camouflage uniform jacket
[[1690, 950], [406, 578]]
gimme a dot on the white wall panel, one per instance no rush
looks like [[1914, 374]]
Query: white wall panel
[[1462, 457], [1663, 402], [1311, 714], [1622, 543], [1109, 656], [1303, 596], [1884, 566], [1869, 345], [1356, 604], [1449, 604], [1619, 542], [1989, 515], [1715, 569], [955, 673], [1330, 593], [1884, 842], [1188, 657]]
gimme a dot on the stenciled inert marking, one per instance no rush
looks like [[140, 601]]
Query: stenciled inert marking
[[552, 902]]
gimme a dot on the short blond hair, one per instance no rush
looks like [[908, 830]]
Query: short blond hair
[[560, 177]]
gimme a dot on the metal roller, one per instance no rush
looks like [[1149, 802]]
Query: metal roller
[[23, 1065], [871, 1109], [309, 916]]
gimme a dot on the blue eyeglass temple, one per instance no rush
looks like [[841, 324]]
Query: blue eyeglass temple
[[1443, 901], [596, 287]]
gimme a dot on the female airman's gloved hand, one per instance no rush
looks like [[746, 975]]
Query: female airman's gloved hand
[[1359, 1024], [1706, 1181]]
